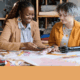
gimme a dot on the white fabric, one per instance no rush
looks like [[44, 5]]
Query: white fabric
[[25, 33], [65, 39]]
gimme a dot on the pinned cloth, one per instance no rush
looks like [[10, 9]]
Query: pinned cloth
[[45, 51]]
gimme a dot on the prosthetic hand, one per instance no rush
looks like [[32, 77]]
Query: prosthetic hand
[[65, 49]]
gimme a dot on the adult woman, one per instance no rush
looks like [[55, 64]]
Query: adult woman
[[20, 31], [66, 32]]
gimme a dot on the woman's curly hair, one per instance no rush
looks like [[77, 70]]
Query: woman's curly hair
[[20, 5], [70, 8]]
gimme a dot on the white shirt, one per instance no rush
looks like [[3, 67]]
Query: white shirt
[[65, 39], [25, 33]]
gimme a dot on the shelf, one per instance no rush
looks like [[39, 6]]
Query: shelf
[[2, 18], [41, 29], [48, 14]]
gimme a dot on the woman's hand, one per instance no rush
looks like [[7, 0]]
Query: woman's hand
[[30, 46], [56, 48]]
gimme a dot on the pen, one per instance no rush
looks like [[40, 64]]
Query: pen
[[40, 48]]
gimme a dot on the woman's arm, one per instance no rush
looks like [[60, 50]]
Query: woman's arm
[[5, 37], [52, 40], [7, 45], [36, 37]]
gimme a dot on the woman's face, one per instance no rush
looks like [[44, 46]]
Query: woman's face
[[65, 18], [27, 14]]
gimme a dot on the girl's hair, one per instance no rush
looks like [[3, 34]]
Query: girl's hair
[[20, 5], [70, 8]]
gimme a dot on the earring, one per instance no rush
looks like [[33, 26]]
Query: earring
[[19, 19]]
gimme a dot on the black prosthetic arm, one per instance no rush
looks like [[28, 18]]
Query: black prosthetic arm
[[65, 49]]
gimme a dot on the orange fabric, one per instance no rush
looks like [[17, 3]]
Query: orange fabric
[[57, 35]]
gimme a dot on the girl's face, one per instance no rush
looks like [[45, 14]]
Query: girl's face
[[27, 14], [65, 18]]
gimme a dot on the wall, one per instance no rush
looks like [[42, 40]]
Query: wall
[[77, 2], [5, 4]]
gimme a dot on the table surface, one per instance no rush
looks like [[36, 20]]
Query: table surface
[[50, 59]]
